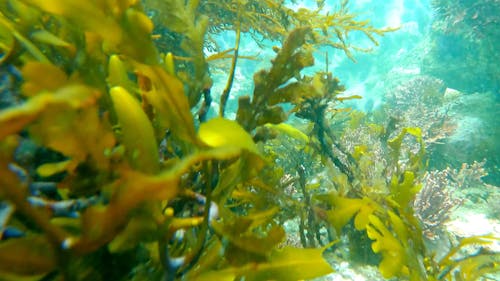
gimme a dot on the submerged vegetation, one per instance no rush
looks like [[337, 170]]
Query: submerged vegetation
[[111, 168]]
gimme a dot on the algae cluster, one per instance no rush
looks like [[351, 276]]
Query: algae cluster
[[137, 183]]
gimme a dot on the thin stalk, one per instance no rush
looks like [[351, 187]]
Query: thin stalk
[[195, 254], [30, 47], [229, 84]]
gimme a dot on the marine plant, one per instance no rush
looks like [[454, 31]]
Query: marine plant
[[137, 184]]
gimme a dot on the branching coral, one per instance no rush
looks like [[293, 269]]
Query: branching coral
[[419, 102], [445, 190], [434, 203], [469, 175]]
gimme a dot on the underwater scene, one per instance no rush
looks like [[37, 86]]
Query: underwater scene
[[249, 140]]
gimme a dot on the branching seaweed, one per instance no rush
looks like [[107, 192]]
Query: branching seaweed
[[134, 182]]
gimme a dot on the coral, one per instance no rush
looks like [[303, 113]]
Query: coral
[[469, 175], [469, 182], [446, 190], [419, 102], [434, 203]]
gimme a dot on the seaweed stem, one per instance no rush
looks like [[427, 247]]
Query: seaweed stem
[[25, 42], [229, 84]]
